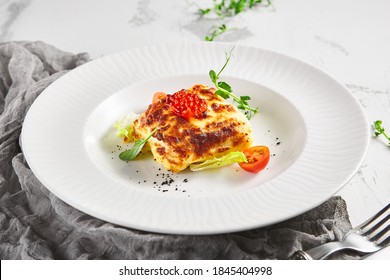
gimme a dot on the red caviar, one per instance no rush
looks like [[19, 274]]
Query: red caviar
[[186, 104]]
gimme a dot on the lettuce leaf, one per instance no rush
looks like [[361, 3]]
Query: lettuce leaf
[[125, 126], [233, 157]]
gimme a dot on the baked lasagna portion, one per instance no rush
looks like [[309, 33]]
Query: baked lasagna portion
[[180, 141]]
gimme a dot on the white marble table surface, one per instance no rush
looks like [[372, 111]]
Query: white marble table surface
[[350, 39]]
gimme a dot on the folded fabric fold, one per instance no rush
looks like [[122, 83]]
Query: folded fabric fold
[[35, 224]]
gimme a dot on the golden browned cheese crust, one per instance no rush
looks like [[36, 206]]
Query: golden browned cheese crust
[[179, 142]]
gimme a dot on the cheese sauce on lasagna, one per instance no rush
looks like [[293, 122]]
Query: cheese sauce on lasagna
[[180, 140]]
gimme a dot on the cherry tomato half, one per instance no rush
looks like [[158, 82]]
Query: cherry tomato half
[[258, 158], [158, 96]]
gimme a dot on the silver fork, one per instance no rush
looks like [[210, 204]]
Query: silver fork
[[369, 237]]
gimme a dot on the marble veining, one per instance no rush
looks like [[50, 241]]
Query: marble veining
[[365, 89], [335, 45], [144, 14], [10, 11]]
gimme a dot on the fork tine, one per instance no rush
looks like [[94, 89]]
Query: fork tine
[[385, 242], [372, 220], [377, 225], [384, 233]]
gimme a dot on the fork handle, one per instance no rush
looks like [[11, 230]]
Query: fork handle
[[318, 253]]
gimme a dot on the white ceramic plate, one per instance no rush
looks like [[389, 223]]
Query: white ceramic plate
[[315, 129]]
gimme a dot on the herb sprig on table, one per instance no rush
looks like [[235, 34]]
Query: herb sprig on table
[[223, 9], [380, 130], [225, 90], [216, 31], [232, 7]]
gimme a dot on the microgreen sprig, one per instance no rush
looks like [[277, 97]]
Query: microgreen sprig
[[232, 7], [223, 9], [379, 130], [217, 30], [225, 90], [136, 149]]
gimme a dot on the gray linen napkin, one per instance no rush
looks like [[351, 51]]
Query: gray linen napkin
[[35, 224]]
